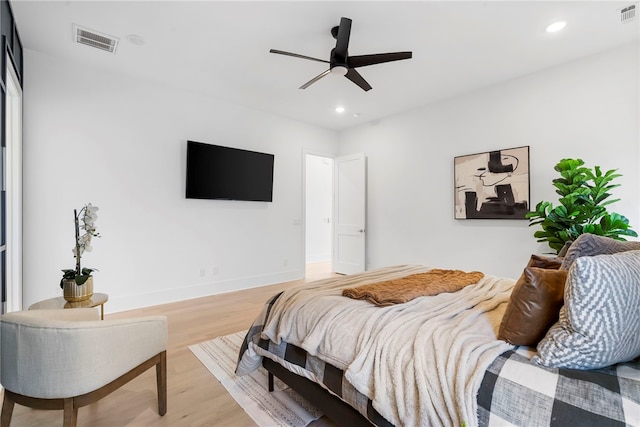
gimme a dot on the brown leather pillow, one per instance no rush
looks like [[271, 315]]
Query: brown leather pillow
[[534, 306]]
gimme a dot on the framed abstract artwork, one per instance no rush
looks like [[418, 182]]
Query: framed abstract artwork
[[492, 185]]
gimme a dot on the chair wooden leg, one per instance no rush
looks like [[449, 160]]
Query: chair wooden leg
[[7, 411], [71, 405], [70, 413], [161, 379]]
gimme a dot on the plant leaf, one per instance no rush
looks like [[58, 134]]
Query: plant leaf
[[584, 194]]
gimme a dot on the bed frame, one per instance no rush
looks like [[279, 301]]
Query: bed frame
[[333, 407]]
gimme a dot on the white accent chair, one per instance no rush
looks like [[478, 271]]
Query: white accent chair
[[66, 359]]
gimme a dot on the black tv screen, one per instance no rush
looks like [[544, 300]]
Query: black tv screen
[[217, 172]]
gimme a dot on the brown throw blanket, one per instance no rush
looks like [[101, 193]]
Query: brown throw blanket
[[405, 289]]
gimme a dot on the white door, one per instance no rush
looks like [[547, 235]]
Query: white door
[[349, 214]]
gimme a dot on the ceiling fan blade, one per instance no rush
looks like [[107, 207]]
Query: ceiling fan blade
[[315, 79], [378, 58], [296, 55], [342, 39], [355, 77]]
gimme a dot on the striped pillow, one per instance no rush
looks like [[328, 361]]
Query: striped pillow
[[599, 324], [592, 244]]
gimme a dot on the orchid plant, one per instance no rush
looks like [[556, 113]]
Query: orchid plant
[[87, 216]]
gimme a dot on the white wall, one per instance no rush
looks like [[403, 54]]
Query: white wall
[[119, 142], [587, 109]]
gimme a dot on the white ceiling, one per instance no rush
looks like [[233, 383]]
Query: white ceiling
[[222, 48]]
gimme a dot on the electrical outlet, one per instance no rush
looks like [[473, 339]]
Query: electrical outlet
[[214, 270], [202, 272]]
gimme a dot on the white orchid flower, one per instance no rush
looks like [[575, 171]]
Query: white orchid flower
[[87, 217], [91, 211]]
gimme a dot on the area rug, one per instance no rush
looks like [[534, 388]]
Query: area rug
[[282, 407]]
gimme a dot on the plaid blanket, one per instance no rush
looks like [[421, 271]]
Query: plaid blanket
[[514, 391], [297, 360]]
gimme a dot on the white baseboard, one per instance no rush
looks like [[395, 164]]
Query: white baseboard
[[313, 258], [135, 301]]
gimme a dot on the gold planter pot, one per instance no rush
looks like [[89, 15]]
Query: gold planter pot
[[73, 292]]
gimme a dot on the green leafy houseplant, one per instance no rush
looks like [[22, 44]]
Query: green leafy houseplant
[[584, 193], [88, 217]]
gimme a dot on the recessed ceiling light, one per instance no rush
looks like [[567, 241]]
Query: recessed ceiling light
[[339, 109], [556, 26]]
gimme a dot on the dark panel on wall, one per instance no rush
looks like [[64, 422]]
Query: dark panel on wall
[[11, 46], [17, 53], [11, 40], [3, 176], [6, 22], [3, 274], [3, 67]]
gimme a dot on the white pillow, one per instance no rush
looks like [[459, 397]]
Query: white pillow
[[599, 324]]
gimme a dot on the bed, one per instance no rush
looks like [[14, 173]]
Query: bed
[[433, 360]]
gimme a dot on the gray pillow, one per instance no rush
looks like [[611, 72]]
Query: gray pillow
[[591, 244], [565, 248], [599, 324]]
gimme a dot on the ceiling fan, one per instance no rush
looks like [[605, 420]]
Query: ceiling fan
[[341, 63]]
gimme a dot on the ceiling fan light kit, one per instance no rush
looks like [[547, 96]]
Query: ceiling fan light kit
[[340, 63], [339, 70]]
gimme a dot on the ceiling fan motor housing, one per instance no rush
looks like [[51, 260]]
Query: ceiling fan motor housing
[[337, 63]]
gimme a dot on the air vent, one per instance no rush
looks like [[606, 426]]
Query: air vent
[[628, 13], [94, 39]]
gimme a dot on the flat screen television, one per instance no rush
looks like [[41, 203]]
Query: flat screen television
[[217, 172]]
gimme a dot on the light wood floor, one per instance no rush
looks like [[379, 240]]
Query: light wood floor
[[195, 397]]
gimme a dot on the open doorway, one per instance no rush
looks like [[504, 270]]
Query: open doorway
[[318, 215]]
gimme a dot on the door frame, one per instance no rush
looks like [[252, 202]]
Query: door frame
[[304, 204], [12, 185], [303, 221]]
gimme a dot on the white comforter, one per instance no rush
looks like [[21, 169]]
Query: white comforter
[[421, 363]]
